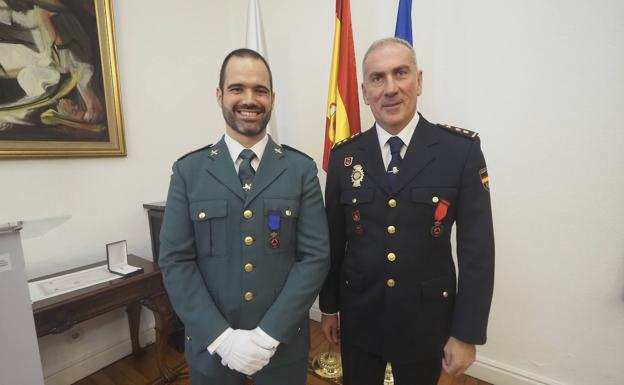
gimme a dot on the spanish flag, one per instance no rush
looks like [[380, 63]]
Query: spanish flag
[[343, 108]]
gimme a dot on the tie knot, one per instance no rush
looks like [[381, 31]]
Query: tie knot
[[395, 144], [247, 154]]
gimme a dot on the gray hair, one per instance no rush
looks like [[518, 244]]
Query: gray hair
[[386, 41]]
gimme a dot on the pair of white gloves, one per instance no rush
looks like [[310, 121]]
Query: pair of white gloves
[[246, 351]]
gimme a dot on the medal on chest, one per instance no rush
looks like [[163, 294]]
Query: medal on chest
[[438, 216], [275, 218]]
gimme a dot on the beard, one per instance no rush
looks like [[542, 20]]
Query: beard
[[242, 127]]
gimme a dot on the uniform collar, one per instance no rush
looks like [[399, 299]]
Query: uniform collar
[[235, 148], [405, 134]]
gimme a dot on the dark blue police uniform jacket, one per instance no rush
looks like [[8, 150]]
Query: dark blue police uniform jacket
[[392, 280]]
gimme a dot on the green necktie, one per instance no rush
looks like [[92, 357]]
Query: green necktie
[[245, 171]]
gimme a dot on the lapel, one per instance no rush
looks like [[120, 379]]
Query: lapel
[[418, 155], [271, 166], [371, 161], [221, 167]]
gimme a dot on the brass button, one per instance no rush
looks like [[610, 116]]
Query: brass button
[[391, 229], [391, 282], [249, 267], [354, 200], [391, 257], [247, 214], [248, 240], [288, 213], [248, 296], [445, 294], [392, 203], [435, 199], [202, 215]]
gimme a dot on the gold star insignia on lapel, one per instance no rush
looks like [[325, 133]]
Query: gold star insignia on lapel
[[247, 186], [278, 150], [214, 152]]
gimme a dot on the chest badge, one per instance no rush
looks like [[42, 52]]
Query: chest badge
[[274, 228], [357, 175], [348, 161], [214, 152], [438, 216]]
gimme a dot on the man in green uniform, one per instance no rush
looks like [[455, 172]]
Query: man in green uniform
[[244, 242]]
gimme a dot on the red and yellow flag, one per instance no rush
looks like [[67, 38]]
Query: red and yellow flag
[[343, 108]]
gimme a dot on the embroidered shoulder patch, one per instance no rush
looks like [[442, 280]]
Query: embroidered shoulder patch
[[485, 180], [459, 131], [194, 151], [346, 140]]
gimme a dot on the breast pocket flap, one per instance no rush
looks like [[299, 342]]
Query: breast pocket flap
[[356, 197], [432, 195], [288, 208], [205, 210]]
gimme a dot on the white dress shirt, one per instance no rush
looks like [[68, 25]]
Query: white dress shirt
[[235, 149], [405, 135]]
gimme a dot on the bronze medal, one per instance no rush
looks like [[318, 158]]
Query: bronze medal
[[355, 215], [274, 240], [437, 229]]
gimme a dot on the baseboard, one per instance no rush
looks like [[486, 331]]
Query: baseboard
[[96, 361], [315, 313], [501, 374]]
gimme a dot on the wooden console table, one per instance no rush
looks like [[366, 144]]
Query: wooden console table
[[60, 313]]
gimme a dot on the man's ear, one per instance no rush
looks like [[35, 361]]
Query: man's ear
[[220, 97], [364, 95]]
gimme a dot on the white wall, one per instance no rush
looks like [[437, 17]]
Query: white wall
[[540, 80]]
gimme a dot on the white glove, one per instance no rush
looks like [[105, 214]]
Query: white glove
[[263, 340], [240, 353]]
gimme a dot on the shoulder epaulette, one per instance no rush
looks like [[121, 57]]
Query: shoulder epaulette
[[295, 150], [346, 140], [459, 131], [194, 151]]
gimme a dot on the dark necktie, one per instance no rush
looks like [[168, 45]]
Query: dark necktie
[[395, 162], [245, 171]]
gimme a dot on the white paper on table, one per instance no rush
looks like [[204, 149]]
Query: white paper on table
[[51, 287]]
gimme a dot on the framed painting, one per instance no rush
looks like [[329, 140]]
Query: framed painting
[[59, 86]]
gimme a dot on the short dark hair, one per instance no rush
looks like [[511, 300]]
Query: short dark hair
[[243, 53]]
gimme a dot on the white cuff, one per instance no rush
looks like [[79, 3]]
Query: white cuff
[[215, 344], [266, 339], [329, 313]]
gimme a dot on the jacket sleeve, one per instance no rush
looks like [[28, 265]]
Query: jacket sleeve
[[329, 299], [183, 281], [312, 263], [475, 252]]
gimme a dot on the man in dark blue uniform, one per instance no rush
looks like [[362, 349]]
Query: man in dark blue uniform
[[392, 197]]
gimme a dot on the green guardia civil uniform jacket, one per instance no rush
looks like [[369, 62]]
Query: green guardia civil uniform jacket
[[221, 264]]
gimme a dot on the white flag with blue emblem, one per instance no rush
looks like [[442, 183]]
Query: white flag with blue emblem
[[255, 41]]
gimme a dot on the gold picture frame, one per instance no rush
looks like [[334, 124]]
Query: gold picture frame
[[59, 85]]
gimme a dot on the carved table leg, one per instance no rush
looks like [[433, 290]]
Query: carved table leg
[[134, 319], [163, 315]]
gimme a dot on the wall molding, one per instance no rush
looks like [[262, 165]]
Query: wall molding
[[498, 373], [97, 360]]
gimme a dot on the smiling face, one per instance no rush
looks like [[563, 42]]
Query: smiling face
[[246, 99], [392, 84]]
